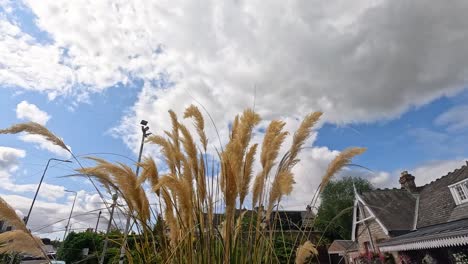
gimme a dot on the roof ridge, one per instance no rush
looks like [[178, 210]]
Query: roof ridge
[[446, 175], [386, 189]]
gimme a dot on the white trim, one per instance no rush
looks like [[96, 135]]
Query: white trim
[[462, 181], [365, 219], [433, 243], [353, 232], [416, 212], [372, 214], [453, 190]]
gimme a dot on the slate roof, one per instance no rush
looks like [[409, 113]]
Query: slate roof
[[342, 246], [436, 203], [395, 208], [435, 232]]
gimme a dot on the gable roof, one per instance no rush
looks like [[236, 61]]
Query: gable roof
[[436, 203], [342, 246], [395, 208]]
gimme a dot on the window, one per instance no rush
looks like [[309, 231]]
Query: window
[[459, 191]]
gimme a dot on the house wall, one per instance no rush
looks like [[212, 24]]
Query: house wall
[[377, 235]]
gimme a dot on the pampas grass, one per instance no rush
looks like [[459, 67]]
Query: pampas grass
[[272, 141], [122, 179], [304, 252], [246, 176], [196, 191], [36, 129], [150, 172], [20, 241], [8, 214], [339, 162], [193, 112]]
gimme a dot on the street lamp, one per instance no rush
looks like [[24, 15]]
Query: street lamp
[[97, 223], [71, 212], [145, 133], [39, 187]]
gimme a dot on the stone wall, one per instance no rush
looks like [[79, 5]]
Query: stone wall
[[376, 231]]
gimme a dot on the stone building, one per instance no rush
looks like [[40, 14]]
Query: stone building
[[414, 223]]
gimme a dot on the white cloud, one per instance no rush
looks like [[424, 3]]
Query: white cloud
[[358, 61], [29, 65], [424, 173], [454, 119], [25, 110], [9, 158], [44, 144]]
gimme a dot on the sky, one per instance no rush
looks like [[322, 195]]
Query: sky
[[390, 76]]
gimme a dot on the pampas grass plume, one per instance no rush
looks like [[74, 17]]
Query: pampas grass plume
[[305, 251], [339, 162], [37, 129]]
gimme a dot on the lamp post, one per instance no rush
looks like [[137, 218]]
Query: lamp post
[[109, 224], [97, 223], [71, 212], [145, 133], [39, 187]]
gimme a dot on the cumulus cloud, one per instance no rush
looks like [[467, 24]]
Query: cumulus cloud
[[30, 65], [25, 110], [357, 61], [9, 158]]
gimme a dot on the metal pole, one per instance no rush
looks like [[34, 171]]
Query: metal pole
[[144, 129], [106, 241], [97, 223], [71, 212], [39, 187]]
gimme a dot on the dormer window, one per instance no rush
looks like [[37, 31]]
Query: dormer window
[[459, 191]]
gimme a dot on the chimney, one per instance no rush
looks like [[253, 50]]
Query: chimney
[[407, 182]]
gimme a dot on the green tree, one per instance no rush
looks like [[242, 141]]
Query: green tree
[[335, 214], [72, 248]]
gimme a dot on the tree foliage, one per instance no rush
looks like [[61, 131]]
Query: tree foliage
[[72, 248], [335, 214]]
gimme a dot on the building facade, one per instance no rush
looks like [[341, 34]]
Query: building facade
[[415, 224]]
